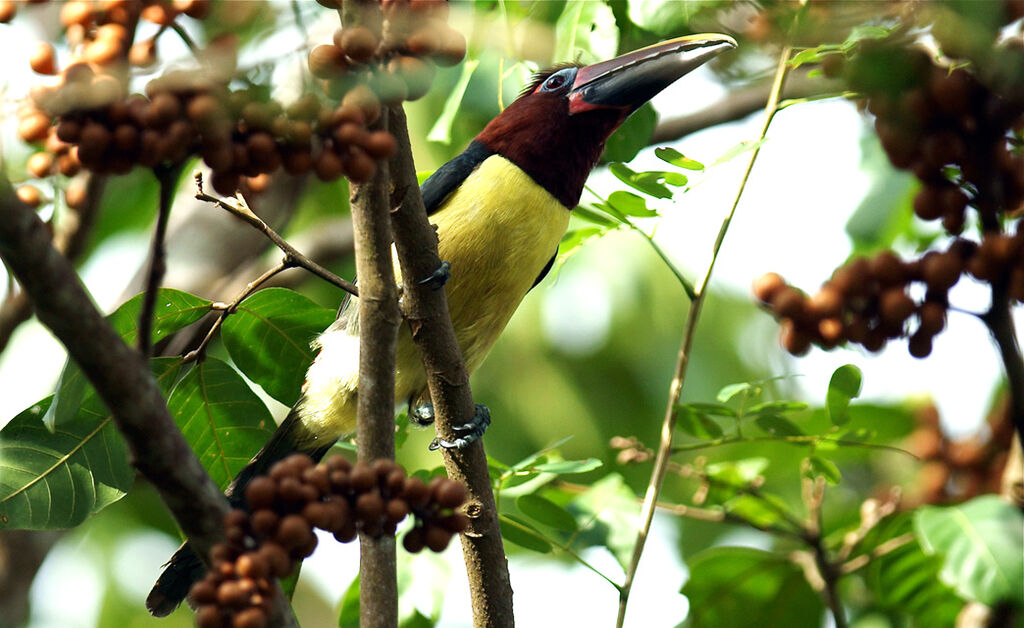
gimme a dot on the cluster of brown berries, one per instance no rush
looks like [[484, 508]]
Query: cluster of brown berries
[[391, 61], [298, 496], [956, 470], [957, 130], [81, 11], [867, 300]]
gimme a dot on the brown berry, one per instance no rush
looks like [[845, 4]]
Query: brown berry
[[327, 61], [437, 538], [453, 48], [379, 144], [417, 74], [252, 565], [358, 43], [39, 164], [293, 532], [424, 41], [941, 271], [415, 492], [767, 285], [29, 195], [827, 302], [415, 540], [210, 616], [231, 594], [276, 558], [327, 166], [932, 317], [450, 494], [250, 618], [43, 59], [788, 303], [362, 97], [920, 344], [795, 340], [895, 306], [358, 166], [369, 506], [34, 127]]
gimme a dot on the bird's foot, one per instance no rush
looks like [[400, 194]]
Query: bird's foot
[[438, 278], [467, 433]]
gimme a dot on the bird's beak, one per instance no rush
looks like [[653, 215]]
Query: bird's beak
[[630, 80]]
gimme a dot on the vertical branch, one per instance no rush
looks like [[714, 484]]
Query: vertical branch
[[166, 176], [378, 338], [426, 311], [692, 317]]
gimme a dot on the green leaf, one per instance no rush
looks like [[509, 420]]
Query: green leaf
[[844, 386], [633, 135], [775, 407], [546, 512], [630, 204], [348, 616], [586, 31], [818, 466], [730, 391], [564, 467], [905, 579], [777, 425], [57, 479], [677, 159], [982, 546], [442, 129], [222, 419], [740, 587], [752, 509], [523, 534], [173, 310], [737, 473], [612, 514], [716, 409], [697, 424], [625, 174], [269, 338], [572, 240], [596, 217]]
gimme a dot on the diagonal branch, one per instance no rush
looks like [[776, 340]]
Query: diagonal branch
[[119, 373], [426, 312]]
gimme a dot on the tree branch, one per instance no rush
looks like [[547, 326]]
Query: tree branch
[[426, 312], [166, 178], [379, 319], [738, 104], [69, 239], [120, 374]]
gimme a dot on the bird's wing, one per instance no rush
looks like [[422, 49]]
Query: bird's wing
[[450, 176], [544, 271]]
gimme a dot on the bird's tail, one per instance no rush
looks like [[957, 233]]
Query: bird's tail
[[185, 568]]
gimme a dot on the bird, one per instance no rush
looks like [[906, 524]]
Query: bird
[[500, 209]]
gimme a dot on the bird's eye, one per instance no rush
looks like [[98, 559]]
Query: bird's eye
[[554, 82]]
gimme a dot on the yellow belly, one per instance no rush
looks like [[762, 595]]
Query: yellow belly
[[498, 230]]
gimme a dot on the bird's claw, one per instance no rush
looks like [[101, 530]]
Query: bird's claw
[[467, 433], [438, 278]]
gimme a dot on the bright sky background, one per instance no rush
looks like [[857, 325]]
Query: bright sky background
[[806, 184]]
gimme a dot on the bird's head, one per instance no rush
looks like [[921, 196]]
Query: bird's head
[[556, 130]]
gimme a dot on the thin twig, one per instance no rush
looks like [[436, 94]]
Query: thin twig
[[230, 308], [241, 210], [882, 549], [668, 425], [185, 37], [793, 440], [166, 178]]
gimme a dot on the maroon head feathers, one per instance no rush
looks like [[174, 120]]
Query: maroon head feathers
[[538, 134]]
